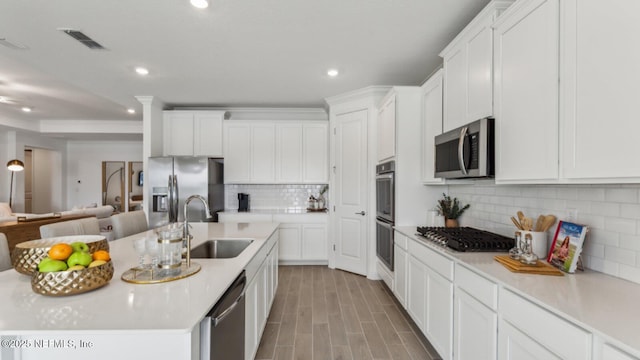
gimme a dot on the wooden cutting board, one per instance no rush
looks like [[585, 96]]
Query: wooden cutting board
[[541, 268]]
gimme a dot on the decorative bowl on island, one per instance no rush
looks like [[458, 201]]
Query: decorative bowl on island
[[26, 255], [62, 283]]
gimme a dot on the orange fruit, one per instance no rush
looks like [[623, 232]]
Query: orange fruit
[[60, 251], [101, 255]]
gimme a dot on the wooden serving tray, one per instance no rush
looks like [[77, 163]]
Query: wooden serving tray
[[540, 268]]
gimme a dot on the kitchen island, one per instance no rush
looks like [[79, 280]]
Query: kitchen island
[[124, 320]]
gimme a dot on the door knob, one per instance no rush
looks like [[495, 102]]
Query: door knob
[[361, 213]]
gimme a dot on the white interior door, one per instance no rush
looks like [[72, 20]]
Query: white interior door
[[351, 192]]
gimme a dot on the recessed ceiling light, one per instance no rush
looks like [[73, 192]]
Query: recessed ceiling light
[[131, 111], [200, 4], [142, 71], [332, 72], [26, 109]]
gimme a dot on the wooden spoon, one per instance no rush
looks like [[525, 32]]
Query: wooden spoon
[[520, 216], [539, 223], [549, 220], [516, 223]]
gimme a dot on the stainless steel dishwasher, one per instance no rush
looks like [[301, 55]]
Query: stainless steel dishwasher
[[222, 330]]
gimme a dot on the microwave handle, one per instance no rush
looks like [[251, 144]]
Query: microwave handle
[[463, 136]]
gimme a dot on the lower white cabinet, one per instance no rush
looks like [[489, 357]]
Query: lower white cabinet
[[429, 296], [475, 328], [516, 345], [259, 295], [400, 274], [303, 242]]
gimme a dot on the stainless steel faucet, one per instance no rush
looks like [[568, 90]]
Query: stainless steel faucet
[[186, 236]]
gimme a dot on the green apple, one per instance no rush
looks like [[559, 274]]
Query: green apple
[[79, 258], [52, 265], [79, 246]]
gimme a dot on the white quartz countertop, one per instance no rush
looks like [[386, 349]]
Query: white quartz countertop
[[602, 304], [175, 306]]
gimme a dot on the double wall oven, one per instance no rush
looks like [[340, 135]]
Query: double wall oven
[[385, 218]]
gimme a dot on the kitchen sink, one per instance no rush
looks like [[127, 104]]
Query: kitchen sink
[[220, 248]]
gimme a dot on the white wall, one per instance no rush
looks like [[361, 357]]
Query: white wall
[[84, 175], [611, 211]]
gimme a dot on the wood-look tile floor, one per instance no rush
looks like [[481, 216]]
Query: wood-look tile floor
[[319, 313]]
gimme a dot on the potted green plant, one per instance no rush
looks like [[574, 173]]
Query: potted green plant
[[451, 210]]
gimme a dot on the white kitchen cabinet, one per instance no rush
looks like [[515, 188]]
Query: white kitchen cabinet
[[314, 242], [430, 296], [475, 328], [259, 294], [468, 67], [400, 264], [193, 133], [386, 126], [263, 153], [431, 125], [599, 110], [605, 351], [276, 152], [290, 241], [526, 329], [237, 153], [289, 153], [315, 153], [526, 92]]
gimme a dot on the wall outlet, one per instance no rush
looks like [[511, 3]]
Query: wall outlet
[[572, 215]]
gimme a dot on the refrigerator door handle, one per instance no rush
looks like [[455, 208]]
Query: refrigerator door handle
[[170, 193]]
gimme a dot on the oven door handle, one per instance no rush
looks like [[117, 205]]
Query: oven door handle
[[463, 136]]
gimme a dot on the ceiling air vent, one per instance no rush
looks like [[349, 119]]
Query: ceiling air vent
[[12, 44], [83, 39]]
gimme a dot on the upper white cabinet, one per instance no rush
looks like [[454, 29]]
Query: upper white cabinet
[[526, 91], [387, 128], [431, 125], [600, 83], [193, 133], [268, 152], [468, 67]]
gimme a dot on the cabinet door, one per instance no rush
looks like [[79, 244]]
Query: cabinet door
[[515, 345], [289, 153], [290, 241], [178, 134], [237, 155], [455, 89], [416, 291], [526, 91], [600, 103], [400, 275], [476, 328], [314, 242], [207, 135], [387, 129], [262, 301], [251, 320], [263, 153], [479, 72], [316, 153], [439, 313], [431, 125]]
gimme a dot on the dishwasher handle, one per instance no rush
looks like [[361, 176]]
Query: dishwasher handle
[[240, 283]]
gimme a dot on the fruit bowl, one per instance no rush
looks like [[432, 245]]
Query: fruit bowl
[[26, 255], [63, 283]]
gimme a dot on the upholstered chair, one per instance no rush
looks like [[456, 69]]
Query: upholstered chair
[[86, 226], [128, 223]]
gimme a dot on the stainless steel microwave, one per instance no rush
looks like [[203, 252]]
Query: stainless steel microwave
[[466, 152]]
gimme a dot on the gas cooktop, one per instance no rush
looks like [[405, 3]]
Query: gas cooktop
[[467, 238]]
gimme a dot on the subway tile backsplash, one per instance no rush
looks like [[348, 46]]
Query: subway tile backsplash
[[612, 213], [263, 197]]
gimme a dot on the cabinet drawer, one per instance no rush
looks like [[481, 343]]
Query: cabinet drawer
[[437, 262], [561, 337], [477, 286], [400, 240]]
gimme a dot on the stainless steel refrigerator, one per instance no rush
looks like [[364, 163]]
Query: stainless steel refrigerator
[[173, 179]]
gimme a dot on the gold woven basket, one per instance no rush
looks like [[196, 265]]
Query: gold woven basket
[[63, 283], [27, 255]]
